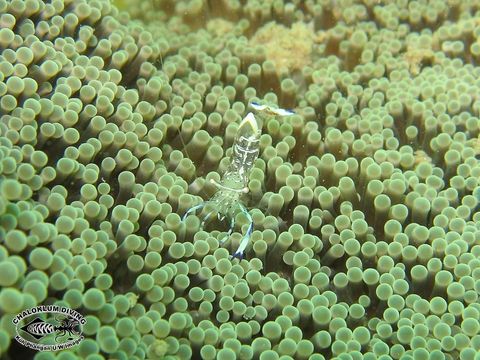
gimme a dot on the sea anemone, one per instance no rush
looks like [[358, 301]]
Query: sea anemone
[[366, 241]]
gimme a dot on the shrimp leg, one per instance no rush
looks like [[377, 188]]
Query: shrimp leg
[[193, 209], [205, 219], [232, 226], [244, 242]]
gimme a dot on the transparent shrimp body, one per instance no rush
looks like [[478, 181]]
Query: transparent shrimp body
[[226, 202]]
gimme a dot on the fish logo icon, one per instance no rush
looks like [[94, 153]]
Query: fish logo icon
[[61, 330]]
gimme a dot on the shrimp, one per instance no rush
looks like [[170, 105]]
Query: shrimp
[[226, 202]]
